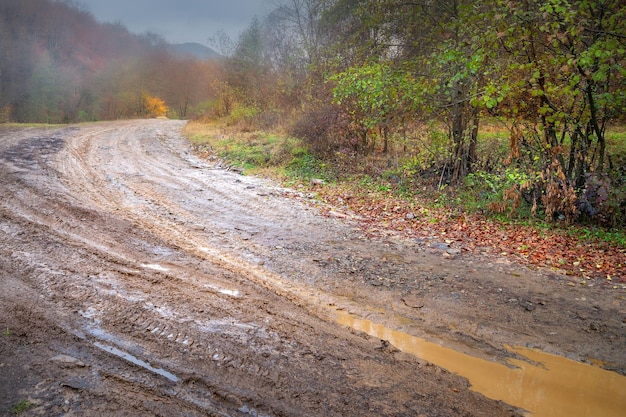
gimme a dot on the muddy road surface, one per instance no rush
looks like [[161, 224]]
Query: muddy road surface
[[139, 280]]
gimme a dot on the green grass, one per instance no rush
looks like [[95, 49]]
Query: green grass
[[304, 166], [613, 237], [256, 152], [14, 125], [260, 151], [20, 407]]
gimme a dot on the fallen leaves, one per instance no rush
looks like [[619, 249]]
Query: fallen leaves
[[382, 215]]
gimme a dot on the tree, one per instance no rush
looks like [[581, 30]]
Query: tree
[[376, 95], [562, 77], [452, 56], [439, 41], [301, 18], [154, 106]]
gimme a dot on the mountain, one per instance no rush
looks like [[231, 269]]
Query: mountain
[[195, 50]]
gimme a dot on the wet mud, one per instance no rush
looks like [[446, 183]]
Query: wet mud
[[138, 279]]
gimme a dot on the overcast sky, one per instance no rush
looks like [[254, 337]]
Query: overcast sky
[[180, 20]]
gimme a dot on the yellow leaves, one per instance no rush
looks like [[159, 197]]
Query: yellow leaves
[[154, 106]]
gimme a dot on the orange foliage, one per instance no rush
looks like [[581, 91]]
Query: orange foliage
[[154, 106]]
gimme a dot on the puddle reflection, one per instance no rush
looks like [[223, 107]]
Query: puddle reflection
[[556, 387]]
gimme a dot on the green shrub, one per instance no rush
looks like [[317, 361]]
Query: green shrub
[[305, 166]]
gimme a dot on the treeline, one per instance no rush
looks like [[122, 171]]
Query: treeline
[[418, 78], [59, 65]]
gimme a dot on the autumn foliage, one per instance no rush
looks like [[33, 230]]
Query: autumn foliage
[[588, 261], [154, 106], [59, 65]]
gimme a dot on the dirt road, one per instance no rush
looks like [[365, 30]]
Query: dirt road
[[138, 280]]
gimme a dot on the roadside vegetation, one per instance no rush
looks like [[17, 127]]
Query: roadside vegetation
[[510, 113], [20, 407], [389, 196]]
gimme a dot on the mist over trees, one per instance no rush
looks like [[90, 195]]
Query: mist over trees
[[59, 65]]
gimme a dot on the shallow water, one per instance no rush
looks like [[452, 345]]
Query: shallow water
[[545, 385], [130, 358]]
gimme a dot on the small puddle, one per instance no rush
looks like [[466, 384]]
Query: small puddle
[[155, 267], [551, 386], [132, 359], [225, 291]]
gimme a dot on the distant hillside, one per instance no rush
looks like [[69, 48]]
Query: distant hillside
[[59, 65], [195, 50]]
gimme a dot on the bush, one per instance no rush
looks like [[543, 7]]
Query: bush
[[305, 166], [322, 129], [243, 113], [511, 191]]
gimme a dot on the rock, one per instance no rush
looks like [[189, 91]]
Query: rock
[[77, 384], [413, 300], [440, 246], [410, 216], [68, 361], [387, 347], [528, 305]]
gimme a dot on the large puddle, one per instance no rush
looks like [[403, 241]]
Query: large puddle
[[546, 385]]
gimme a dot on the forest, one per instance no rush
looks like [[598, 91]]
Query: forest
[[59, 65], [520, 103]]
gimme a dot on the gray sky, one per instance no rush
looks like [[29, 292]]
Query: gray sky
[[180, 20]]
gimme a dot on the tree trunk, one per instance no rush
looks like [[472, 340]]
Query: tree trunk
[[460, 155], [472, 153], [385, 131]]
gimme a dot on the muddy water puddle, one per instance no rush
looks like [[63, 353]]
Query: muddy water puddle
[[133, 359], [543, 384]]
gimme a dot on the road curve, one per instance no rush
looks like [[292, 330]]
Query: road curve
[[138, 280]]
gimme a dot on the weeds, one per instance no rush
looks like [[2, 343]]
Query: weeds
[[253, 151], [613, 237], [305, 166], [20, 407]]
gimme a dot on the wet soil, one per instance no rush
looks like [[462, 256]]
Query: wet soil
[[138, 279]]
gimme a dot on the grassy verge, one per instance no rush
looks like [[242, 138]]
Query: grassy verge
[[22, 125], [258, 153]]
